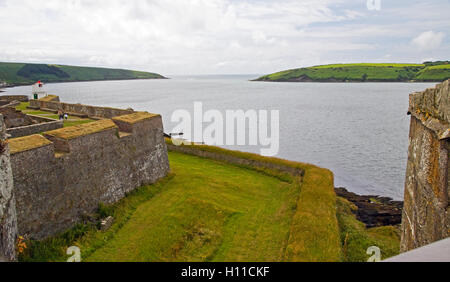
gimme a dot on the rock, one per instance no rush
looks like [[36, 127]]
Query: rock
[[106, 223], [374, 210]]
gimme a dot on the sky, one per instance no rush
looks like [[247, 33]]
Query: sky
[[192, 37]]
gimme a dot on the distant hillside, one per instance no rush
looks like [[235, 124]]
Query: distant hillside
[[12, 74], [426, 72]]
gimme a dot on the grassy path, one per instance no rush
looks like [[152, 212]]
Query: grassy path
[[209, 211]]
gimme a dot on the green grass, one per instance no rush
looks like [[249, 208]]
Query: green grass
[[315, 212], [356, 238], [23, 74], [207, 210], [386, 72]]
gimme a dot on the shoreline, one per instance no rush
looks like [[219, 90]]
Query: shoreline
[[68, 81], [338, 81]]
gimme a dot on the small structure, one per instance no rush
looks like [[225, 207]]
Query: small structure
[[38, 90]]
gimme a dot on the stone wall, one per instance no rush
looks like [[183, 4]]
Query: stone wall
[[8, 220], [79, 109], [65, 174], [426, 212], [15, 118]]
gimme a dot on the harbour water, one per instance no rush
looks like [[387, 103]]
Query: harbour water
[[358, 130]]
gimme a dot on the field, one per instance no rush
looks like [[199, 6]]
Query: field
[[207, 210], [24, 74], [364, 72]]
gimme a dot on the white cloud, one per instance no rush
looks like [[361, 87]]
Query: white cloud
[[428, 40], [196, 36]]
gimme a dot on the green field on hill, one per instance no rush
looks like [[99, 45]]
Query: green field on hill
[[23, 74], [207, 210], [364, 72]]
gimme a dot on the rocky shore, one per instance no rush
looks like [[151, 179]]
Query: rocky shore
[[374, 210]]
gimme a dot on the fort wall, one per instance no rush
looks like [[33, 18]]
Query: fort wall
[[65, 174], [426, 211]]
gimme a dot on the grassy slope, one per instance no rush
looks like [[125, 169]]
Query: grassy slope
[[8, 74], [210, 217], [72, 120], [211, 211], [364, 72]]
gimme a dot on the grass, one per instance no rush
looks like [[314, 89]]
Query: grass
[[26, 143], [23, 74], [204, 211], [314, 228], [356, 238], [364, 72]]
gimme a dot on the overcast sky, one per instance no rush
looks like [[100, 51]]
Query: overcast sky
[[222, 36]]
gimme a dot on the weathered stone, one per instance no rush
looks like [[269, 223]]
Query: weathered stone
[[8, 219], [93, 112], [106, 223], [426, 212]]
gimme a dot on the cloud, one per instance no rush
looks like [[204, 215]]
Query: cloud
[[428, 40], [198, 36]]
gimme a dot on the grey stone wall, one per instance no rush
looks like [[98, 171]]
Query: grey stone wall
[[57, 183], [8, 220], [426, 212], [10, 98], [79, 109]]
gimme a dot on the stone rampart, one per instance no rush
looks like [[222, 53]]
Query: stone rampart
[[426, 212]]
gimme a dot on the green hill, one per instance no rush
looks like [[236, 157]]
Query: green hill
[[12, 74], [426, 72]]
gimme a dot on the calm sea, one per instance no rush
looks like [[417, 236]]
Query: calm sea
[[358, 130]]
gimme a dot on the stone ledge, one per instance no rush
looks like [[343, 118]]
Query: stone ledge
[[75, 131], [21, 144], [441, 129], [135, 117]]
